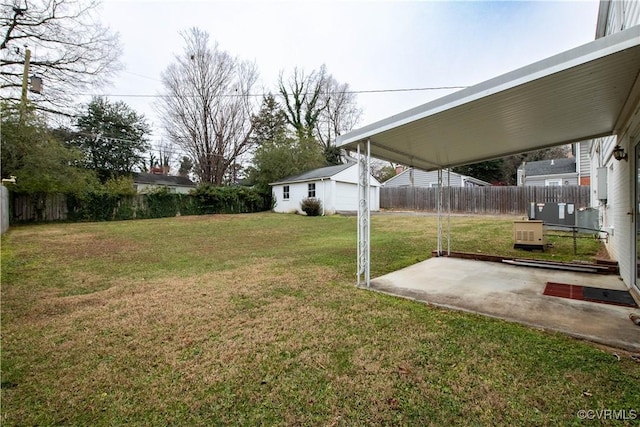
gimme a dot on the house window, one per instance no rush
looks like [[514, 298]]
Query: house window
[[312, 190], [285, 192], [433, 185], [553, 182]]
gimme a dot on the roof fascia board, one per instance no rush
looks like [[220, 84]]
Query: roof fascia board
[[298, 181], [373, 183], [553, 175], [476, 180], [580, 55]]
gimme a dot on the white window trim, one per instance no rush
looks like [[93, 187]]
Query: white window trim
[[551, 182]]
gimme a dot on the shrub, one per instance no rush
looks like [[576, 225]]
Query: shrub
[[311, 206], [212, 199]]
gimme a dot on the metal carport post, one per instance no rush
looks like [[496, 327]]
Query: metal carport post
[[440, 207], [364, 215]]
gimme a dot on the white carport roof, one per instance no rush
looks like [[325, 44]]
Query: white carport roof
[[583, 93]]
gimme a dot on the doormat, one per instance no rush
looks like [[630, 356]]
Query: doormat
[[586, 293]]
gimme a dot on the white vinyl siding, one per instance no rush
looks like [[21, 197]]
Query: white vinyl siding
[[622, 15], [336, 193], [620, 190]]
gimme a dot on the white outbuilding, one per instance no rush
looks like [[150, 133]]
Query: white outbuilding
[[335, 186]]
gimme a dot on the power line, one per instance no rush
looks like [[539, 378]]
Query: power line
[[416, 89]]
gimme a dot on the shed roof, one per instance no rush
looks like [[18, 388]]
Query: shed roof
[[550, 167], [579, 94], [315, 174], [157, 179]]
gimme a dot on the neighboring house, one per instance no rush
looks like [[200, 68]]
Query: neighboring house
[[583, 163], [147, 182], [412, 177], [615, 161], [547, 173], [335, 186]]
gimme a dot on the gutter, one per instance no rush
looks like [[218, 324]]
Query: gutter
[[299, 181]]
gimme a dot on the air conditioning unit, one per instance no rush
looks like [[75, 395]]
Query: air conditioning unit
[[529, 235]]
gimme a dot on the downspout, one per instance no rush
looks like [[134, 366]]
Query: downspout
[[323, 196]]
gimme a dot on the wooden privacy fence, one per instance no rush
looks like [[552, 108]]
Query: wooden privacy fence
[[106, 207], [50, 207], [482, 200]]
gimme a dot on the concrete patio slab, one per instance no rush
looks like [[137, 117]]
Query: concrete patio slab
[[515, 293]]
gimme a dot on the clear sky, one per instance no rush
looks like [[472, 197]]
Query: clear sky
[[376, 45]]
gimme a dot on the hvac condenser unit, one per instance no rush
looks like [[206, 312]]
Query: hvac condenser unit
[[529, 235]]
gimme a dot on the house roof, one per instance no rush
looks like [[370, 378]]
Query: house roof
[[550, 167], [583, 93], [156, 179], [477, 181], [315, 174]]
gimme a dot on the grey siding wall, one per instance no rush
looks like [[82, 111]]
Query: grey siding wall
[[540, 181], [583, 161], [421, 178]]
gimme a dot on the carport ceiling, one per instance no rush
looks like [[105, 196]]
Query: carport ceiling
[[580, 94]]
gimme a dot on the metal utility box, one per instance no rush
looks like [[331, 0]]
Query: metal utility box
[[554, 213], [529, 235], [601, 183]]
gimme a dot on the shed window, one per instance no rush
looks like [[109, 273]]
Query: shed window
[[312, 190], [285, 192]]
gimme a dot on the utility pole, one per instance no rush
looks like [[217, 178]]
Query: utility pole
[[25, 83]]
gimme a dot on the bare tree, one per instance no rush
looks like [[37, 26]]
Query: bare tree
[[318, 106], [72, 51], [207, 106], [303, 99], [340, 114]]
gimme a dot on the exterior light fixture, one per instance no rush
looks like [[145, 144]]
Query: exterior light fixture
[[619, 154]]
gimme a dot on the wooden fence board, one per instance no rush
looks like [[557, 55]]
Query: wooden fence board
[[482, 200]]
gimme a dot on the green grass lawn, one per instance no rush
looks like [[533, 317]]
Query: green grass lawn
[[255, 319]]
